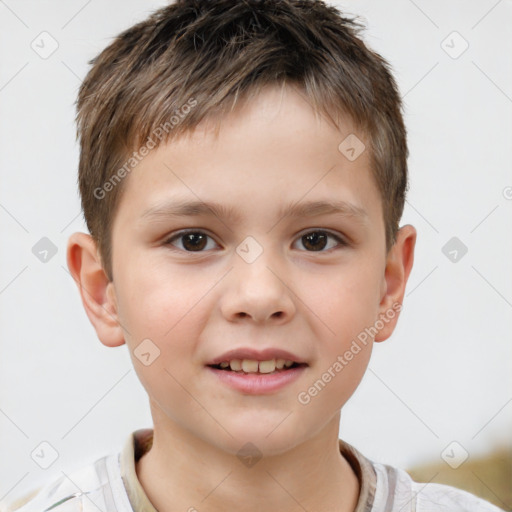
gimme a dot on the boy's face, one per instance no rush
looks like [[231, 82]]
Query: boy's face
[[257, 279]]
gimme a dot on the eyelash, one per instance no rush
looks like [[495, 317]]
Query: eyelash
[[180, 234]]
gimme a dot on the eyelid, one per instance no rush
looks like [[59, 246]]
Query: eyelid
[[342, 242], [177, 234]]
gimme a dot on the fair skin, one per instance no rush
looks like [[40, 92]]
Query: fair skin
[[309, 296]]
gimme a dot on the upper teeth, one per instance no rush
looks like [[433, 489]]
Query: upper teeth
[[252, 366]]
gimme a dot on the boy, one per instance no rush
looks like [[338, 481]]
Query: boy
[[242, 174]]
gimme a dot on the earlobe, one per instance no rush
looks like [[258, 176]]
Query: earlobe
[[97, 292], [398, 267]]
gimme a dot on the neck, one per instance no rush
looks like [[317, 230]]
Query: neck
[[184, 473]]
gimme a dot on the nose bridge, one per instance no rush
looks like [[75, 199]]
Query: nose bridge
[[256, 286]]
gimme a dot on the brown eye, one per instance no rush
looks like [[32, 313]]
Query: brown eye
[[191, 241], [317, 241], [194, 241]]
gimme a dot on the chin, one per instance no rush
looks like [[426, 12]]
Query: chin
[[258, 447], [269, 433]]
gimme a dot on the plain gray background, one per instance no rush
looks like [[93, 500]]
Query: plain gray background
[[446, 373]]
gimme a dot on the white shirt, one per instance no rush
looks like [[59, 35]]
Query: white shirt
[[110, 484]]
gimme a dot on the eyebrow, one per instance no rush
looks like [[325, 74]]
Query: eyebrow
[[183, 208]]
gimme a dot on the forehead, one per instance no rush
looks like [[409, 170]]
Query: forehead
[[270, 151]]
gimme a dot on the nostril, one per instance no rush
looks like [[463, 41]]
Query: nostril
[[277, 314]]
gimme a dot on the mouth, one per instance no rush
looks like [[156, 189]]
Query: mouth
[[248, 366], [257, 372]]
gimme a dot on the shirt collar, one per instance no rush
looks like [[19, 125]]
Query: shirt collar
[[141, 441]]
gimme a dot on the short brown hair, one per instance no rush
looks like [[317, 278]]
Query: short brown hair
[[209, 55]]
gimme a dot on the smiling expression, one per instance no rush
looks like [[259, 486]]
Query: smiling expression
[[265, 243]]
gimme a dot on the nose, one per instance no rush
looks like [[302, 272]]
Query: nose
[[257, 292]]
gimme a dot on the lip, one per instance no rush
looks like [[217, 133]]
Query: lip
[[256, 355], [258, 383]]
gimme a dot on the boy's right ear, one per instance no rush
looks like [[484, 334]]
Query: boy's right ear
[[97, 292]]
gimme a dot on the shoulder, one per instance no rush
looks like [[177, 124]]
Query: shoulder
[[450, 499], [396, 490], [97, 486]]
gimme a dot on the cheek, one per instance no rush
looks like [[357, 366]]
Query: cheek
[[333, 381], [349, 302], [162, 316], [156, 303]]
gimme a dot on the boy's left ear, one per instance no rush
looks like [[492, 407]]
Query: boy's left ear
[[398, 267]]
